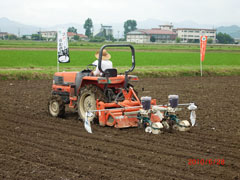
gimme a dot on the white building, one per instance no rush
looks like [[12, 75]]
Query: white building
[[108, 30], [166, 27], [138, 36], [162, 34], [3, 35], [105, 31], [193, 35], [48, 35]]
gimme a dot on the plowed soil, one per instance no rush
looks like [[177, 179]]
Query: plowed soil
[[34, 145]]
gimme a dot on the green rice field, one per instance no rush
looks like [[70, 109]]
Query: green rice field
[[21, 58], [17, 58]]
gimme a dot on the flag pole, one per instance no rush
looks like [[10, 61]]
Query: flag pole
[[201, 58], [201, 65], [201, 44], [57, 52], [57, 66]]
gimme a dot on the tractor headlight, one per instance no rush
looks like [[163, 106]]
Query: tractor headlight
[[133, 78]]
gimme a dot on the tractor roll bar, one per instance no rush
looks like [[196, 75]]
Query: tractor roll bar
[[116, 45]]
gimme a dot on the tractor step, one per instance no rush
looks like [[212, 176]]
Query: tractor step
[[72, 99]]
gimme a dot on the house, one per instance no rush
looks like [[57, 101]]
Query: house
[[83, 37], [138, 36], [3, 35], [162, 34], [237, 40], [72, 34], [193, 35], [6, 35], [48, 35]]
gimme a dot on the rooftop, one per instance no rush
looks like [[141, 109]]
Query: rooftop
[[198, 29], [47, 31], [71, 34], [158, 31], [151, 31]]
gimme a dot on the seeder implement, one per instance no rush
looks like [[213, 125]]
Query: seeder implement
[[153, 118]]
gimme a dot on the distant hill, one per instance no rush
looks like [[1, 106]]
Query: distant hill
[[233, 31], [13, 27], [7, 25]]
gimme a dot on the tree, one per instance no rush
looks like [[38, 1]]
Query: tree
[[152, 39], [37, 37], [178, 39], [72, 29], [11, 37], [224, 38], [76, 37], [129, 25], [88, 25], [24, 37], [210, 41]]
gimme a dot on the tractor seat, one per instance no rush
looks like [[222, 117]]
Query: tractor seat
[[110, 73]]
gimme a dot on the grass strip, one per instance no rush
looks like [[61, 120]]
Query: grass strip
[[166, 71]]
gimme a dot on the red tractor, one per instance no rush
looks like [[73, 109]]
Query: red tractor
[[111, 99], [84, 93]]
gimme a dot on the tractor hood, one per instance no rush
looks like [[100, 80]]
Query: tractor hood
[[65, 77]]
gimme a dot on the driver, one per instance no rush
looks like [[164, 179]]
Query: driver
[[106, 63]]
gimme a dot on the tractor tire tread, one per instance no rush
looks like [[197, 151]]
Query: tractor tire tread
[[91, 89], [61, 105]]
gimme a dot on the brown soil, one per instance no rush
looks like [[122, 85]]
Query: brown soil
[[34, 145]]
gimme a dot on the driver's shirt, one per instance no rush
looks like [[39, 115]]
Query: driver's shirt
[[106, 64]]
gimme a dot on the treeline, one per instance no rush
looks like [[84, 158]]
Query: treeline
[[224, 38], [129, 25]]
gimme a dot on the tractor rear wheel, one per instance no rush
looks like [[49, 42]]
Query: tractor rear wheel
[[87, 100], [56, 106]]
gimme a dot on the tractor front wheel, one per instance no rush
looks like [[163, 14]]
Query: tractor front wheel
[[87, 100], [56, 106]]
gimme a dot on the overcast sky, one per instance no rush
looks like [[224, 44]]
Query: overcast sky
[[52, 12]]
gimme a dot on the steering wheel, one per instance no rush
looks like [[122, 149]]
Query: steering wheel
[[92, 67]]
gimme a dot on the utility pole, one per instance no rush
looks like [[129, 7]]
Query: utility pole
[[39, 34], [92, 30], [19, 32]]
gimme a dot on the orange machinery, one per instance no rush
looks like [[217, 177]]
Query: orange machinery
[[111, 97]]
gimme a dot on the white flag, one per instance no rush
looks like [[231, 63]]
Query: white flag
[[192, 107], [193, 117], [63, 51], [87, 124]]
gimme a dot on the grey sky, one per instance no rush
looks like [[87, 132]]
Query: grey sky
[[52, 12]]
